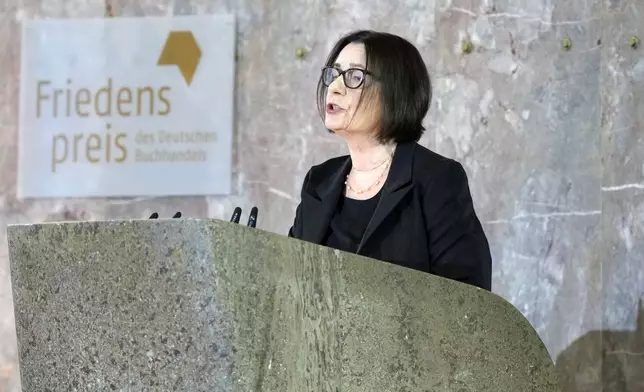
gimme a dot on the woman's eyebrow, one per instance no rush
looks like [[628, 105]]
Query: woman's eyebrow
[[352, 65]]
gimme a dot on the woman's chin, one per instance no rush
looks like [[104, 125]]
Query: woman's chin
[[331, 126]]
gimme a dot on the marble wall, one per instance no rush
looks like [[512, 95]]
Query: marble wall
[[551, 138]]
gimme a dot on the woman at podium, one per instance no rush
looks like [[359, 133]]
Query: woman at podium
[[390, 198]]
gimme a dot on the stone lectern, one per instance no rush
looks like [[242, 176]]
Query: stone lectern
[[207, 305]]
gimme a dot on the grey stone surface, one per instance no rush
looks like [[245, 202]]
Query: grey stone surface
[[551, 140], [198, 305], [623, 198]]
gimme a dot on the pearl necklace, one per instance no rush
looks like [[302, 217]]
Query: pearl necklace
[[377, 182]]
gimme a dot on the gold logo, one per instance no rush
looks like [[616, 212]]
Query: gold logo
[[181, 49]]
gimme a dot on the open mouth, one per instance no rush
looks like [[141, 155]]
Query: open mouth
[[333, 108]]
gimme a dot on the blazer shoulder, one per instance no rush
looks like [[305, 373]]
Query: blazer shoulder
[[320, 172], [430, 165]]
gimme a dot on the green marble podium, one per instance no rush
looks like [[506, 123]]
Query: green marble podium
[[206, 305]]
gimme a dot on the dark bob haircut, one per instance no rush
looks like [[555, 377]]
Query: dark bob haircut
[[400, 75]]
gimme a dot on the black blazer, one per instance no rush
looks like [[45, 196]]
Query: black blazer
[[424, 220]]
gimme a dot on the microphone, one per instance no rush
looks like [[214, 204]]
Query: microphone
[[236, 215], [252, 218]]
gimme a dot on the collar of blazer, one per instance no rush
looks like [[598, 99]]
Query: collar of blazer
[[331, 187]]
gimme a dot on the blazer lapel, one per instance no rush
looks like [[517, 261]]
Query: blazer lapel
[[327, 193], [397, 185]]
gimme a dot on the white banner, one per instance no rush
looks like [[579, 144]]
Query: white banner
[[127, 107]]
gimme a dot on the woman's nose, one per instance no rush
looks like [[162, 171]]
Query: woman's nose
[[337, 87]]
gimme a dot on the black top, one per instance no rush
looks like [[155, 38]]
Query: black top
[[350, 222], [424, 218]]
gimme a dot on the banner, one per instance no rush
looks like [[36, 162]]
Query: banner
[[126, 107]]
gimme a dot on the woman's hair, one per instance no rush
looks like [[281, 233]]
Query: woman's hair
[[399, 74]]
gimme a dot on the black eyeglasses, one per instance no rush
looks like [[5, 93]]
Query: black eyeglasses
[[353, 77]]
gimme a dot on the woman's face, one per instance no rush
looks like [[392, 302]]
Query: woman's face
[[342, 114]]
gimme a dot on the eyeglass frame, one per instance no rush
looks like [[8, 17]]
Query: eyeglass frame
[[343, 74]]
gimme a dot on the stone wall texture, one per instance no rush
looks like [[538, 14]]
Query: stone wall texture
[[206, 305], [552, 141]]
